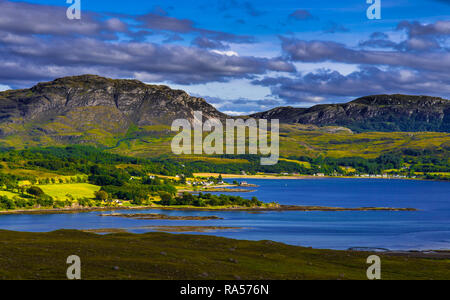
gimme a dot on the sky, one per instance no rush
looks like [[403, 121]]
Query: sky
[[242, 56]]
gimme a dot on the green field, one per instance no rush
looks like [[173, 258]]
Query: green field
[[8, 194], [295, 140], [189, 257], [77, 190], [301, 163]]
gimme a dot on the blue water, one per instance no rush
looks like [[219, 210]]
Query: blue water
[[428, 228]]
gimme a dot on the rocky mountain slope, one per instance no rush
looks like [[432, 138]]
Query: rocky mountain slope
[[95, 99], [133, 117], [372, 113], [94, 110]]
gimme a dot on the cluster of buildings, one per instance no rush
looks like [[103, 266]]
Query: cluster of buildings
[[204, 183], [386, 176]]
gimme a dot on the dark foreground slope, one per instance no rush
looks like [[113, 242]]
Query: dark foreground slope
[[373, 113], [166, 256]]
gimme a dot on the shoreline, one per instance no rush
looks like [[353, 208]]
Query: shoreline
[[153, 216], [294, 177], [164, 228], [174, 229], [231, 176], [222, 190], [280, 208], [175, 234], [37, 211], [283, 208]]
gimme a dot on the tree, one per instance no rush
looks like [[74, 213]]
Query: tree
[[6, 203], [166, 198], [20, 203], [45, 200], [35, 191], [84, 202], [101, 195], [22, 190], [11, 185]]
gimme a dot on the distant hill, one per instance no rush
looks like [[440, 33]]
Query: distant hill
[[91, 109], [372, 113], [133, 118], [72, 101]]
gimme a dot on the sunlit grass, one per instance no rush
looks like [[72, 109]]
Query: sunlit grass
[[77, 190]]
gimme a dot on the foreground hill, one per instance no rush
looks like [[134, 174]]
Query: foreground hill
[[165, 256], [373, 113]]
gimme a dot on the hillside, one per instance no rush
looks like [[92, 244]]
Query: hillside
[[386, 113], [166, 256], [90, 108], [132, 118]]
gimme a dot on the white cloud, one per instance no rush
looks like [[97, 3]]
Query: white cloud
[[4, 87], [315, 98], [235, 113], [342, 68], [227, 53], [231, 90], [270, 47]]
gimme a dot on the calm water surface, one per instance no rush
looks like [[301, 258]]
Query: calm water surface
[[426, 229]]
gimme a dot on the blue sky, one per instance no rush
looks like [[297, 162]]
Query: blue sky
[[242, 56]]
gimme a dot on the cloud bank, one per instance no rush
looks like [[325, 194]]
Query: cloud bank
[[38, 43]]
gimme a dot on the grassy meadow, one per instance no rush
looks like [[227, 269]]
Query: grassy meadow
[[189, 257], [77, 190], [295, 140], [8, 194]]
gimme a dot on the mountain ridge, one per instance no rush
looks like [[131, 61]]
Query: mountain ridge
[[388, 113], [77, 109], [141, 103], [90, 109]]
